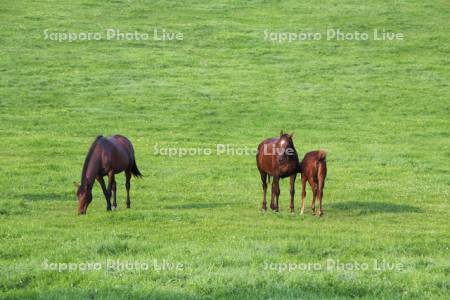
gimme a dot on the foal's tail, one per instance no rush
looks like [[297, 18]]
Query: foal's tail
[[135, 171], [321, 170], [322, 155]]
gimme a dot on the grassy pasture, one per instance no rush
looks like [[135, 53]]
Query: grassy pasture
[[380, 108]]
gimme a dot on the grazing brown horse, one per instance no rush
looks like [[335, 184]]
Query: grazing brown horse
[[314, 170], [107, 156], [278, 158]]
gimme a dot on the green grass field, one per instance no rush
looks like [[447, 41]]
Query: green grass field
[[380, 108]]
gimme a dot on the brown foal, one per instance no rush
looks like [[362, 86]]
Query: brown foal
[[314, 170]]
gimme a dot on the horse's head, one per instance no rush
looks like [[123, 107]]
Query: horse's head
[[84, 195], [285, 146]]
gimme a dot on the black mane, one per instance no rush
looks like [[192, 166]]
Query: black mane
[[88, 157]]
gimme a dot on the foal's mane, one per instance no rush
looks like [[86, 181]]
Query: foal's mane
[[88, 157]]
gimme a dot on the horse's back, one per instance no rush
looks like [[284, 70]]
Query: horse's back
[[119, 152], [123, 143]]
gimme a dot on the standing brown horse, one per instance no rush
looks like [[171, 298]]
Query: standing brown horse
[[107, 156], [314, 170], [278, 158]]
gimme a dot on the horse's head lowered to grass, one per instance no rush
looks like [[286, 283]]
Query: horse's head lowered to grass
[[84, 196]]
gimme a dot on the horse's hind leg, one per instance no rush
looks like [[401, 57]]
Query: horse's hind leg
[[264, 186], [127, 186], [114, 189]]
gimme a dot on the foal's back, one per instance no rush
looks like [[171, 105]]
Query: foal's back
[[314, 164]]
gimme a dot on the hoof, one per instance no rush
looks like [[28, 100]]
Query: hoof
[[301, 212]]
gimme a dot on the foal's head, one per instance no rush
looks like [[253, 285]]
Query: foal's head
[[84, 196]]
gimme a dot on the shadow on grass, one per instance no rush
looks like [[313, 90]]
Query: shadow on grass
[[333, 290], [369, 207], [49, 197], [198, 205]]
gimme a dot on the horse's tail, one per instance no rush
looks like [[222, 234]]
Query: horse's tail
[[322, 155], [268, 178], [135, 171]]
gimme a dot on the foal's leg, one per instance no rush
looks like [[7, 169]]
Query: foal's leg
[[313, 185], [276, 191], [320, 192], [127, 186], [292, 181], [303, 193], [114, 189], [319, 196], [264, 186]]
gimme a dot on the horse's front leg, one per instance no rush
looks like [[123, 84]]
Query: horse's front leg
[[264, 186], [292, 181], [276, 192], [272, 195], [111, 180], [103, 185]]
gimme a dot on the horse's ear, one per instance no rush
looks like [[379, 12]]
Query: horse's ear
[[281, 133], [291, 135]]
